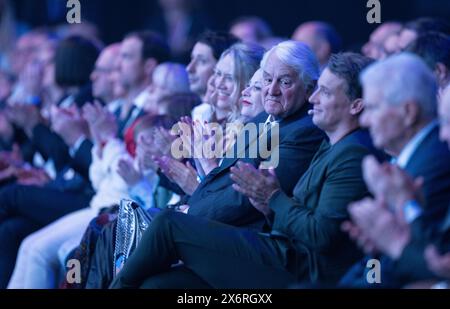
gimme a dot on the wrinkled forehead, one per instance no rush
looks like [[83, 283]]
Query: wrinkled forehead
[[275, 67]]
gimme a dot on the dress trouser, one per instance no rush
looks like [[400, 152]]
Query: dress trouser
[[23, 210], [213, 253]]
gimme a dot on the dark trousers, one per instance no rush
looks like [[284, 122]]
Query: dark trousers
[[25, 209], [12, 232], [213, 255]]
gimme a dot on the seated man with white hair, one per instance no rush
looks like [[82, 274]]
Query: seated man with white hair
[[400, 97]]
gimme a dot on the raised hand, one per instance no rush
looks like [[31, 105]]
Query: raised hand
[[184, 175], [68, 123], [102, 123], [128, 173], [379, 227], [390, 183], [257, 184]]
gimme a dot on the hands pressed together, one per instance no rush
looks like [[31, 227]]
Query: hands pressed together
[[378, 224], [259, 185]]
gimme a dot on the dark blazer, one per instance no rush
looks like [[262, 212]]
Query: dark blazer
[[215, 199], [311, 219], [50, 145], [431, 160]]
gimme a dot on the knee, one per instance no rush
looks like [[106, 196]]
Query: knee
[[27, 247], [35, 248]]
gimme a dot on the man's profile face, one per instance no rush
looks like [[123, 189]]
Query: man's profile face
[[331, 105], [384, 121]]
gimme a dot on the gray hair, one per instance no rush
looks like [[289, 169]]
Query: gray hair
[[401, 78], [298, 56], [173, 75]]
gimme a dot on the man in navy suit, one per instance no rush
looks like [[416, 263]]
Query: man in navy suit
[[400, 97]]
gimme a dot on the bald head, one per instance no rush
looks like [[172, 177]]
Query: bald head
[[321, 37]]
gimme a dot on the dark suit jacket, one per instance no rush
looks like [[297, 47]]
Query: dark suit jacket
[[215, 199], [431, 160], [311, 219]]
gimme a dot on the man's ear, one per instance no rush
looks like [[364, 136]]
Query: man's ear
[[356, 107], [442, 73], [323, 49], [149, 66], [412, 113]]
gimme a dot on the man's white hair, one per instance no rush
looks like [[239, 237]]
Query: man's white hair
[[298, 56], [401, 78]]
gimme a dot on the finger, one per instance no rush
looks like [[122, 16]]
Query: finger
[[242, 190], [236, 175], [239, 171], [190, 167]]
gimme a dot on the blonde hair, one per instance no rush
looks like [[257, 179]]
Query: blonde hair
[[247, 57]]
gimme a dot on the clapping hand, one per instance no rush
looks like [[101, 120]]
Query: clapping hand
[[128, 173], [375, 227], [390, 183], [184, 175], [259, 185]]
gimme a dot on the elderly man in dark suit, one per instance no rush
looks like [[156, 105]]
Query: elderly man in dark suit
[[298, 139], [400, 95], [419, 249], [304, 235]]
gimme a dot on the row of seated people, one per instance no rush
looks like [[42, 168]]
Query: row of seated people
[[235, 220]]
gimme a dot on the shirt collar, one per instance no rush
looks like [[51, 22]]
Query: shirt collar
[[270, 120]]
